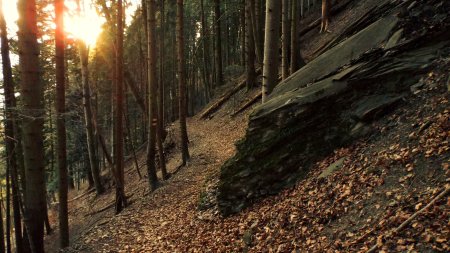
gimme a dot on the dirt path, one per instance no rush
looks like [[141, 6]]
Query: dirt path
[[159, 221]]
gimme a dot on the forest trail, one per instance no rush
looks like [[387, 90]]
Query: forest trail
[[157, 220]]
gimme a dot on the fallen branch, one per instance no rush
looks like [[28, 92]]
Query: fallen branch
[[214, 107], [406, 222], [248, 104]]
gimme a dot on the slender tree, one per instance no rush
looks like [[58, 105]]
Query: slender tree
[[61, 125], [153, 83], [296, 58], [285, 40], [88, 116], [325, 15], [250, 46], [160, 121], [2, 231], [218, 47], [182, 82], [32, 93], [271, 46], [10, 135], [118, 124]]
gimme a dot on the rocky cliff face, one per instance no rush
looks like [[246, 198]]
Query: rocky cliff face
[[332, 100]]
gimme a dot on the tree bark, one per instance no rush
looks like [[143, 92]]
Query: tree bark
[[160, 122], [325, 15], [61, 125], [10, 125], [218, 48], [271, 46], [88, 117], [153, 83], [250, 47], [182, 78], [296, 58], [285, 39], [121, 202], [32, 91]]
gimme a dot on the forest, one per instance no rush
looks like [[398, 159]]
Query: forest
[[224, 126]]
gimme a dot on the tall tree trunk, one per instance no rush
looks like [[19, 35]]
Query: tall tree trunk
[[61, 125], [8, 210], [182, 79], [2, 231], [160, 132], [218, 48], [32, 91], [271, 46], [256, 28], [285, 39], [296, 58], [259, 25], [205, 44], [325, 15], [84, 55], [118, 124], [250, 47], [10, 135], [153, 83]]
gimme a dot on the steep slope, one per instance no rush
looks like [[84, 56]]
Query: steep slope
[[332, 101]]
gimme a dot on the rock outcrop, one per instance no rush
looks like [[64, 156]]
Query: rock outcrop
[[331, 101]]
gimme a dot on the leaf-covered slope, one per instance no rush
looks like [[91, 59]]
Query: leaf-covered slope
[[356, 82]]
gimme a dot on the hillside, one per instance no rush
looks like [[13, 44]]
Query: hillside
[[355, 192]]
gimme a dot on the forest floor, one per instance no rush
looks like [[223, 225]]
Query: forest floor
[[377, 184], [371, 187]]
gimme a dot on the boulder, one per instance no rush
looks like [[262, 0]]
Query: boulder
[[348, 87]]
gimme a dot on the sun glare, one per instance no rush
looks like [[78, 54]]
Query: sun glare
[[87, 25]]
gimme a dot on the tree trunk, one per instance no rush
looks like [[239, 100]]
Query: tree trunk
[[32, 91], [10, 135], [153, 83], [2, 232], [182, 79], [61, 125], [285, 39], [296, 58], [205, 44], [325, 15], [271, 46], [160, 122], [84, 55], [118, 124], [218, 48], [250, 46]]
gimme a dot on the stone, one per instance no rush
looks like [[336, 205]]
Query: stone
[[332, 168]]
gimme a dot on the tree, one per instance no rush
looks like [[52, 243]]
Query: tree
[[285, 39], [88, 116], [60, 124], [271, 46], [296, 58], [10, 135], [118, 124], [153, 82], [182, 81], [218, 47], [32, 93], [325, 15], [160, 120], [250, 46]]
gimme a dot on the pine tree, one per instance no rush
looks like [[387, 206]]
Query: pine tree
[[60, 124], [32, 91], [182, 82]]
